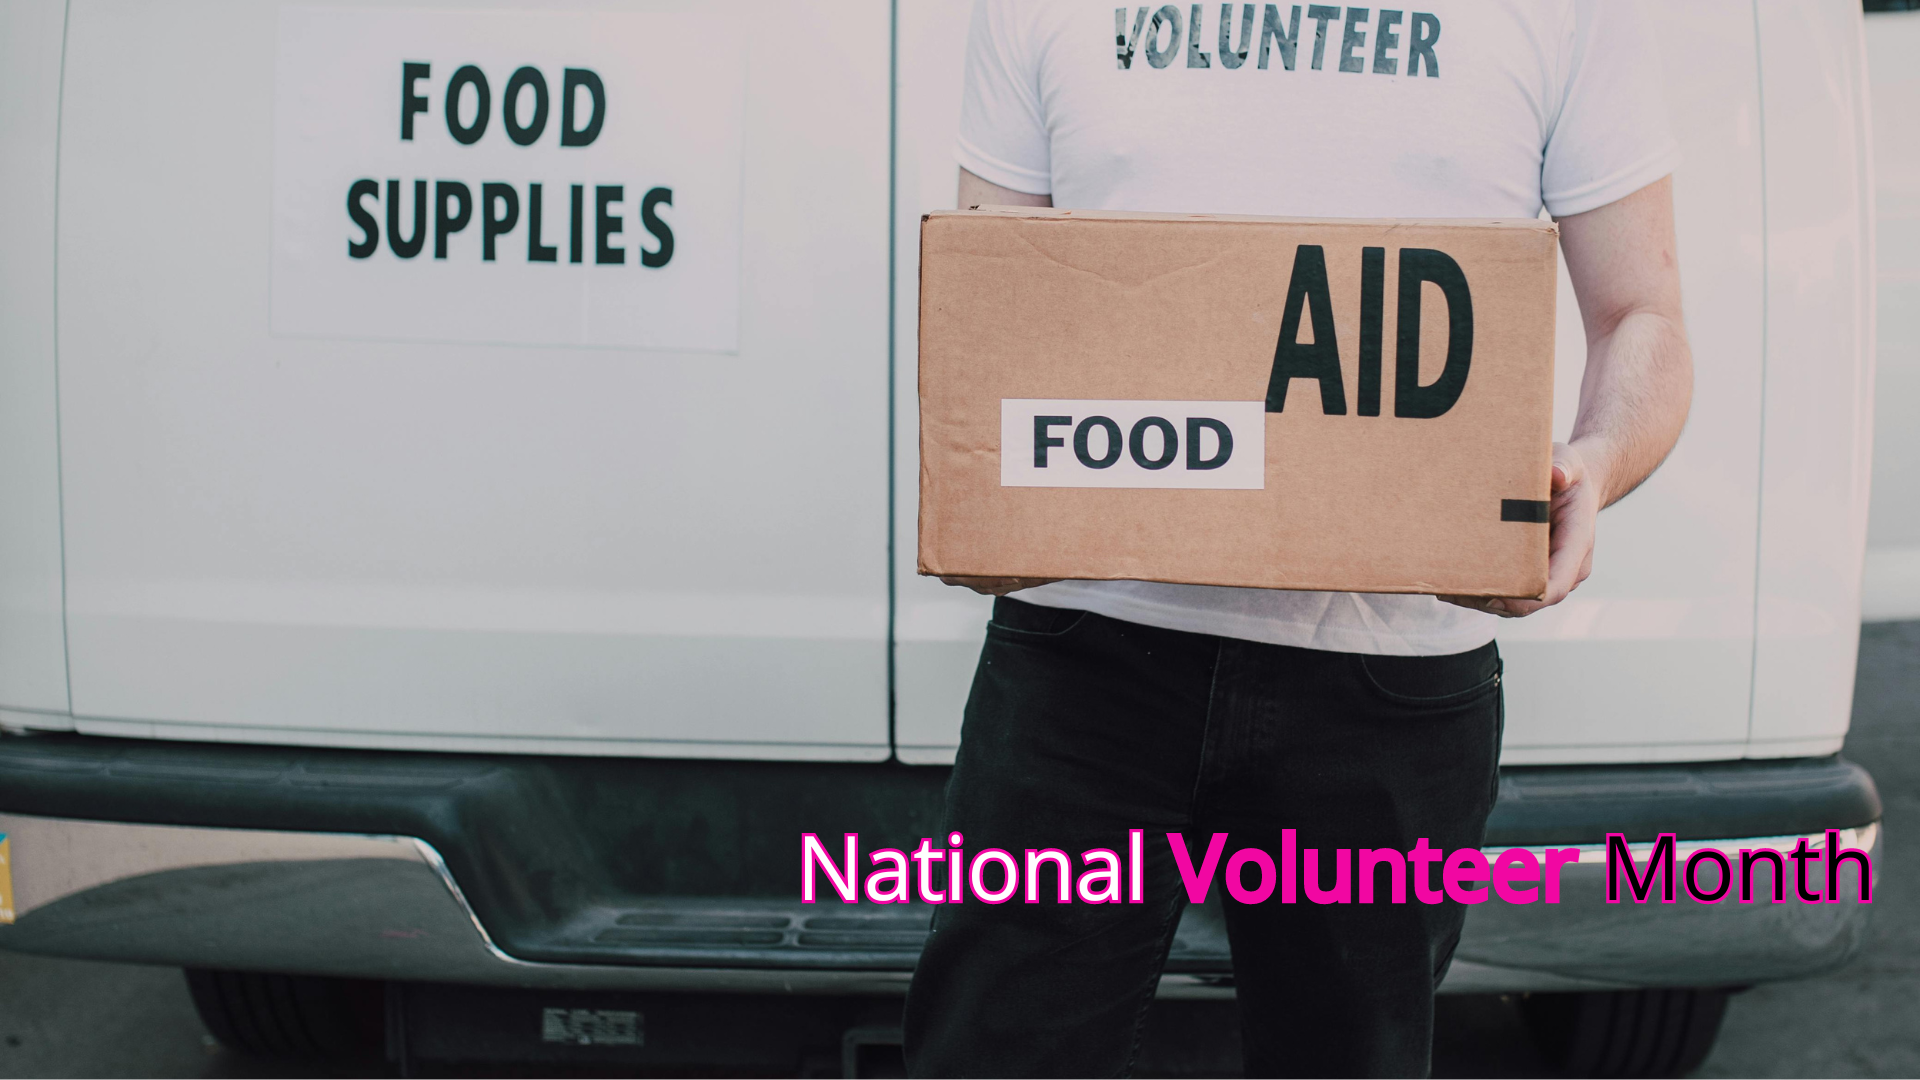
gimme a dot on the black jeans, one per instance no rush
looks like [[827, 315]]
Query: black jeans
[[1080, 727]]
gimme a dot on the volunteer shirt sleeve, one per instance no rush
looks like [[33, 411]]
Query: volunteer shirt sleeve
[[1003, 135], [1611, 137]]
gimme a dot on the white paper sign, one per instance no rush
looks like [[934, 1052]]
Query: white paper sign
[[1133, 444], [583, 188]]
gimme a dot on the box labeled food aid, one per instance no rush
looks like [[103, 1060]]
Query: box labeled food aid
[[1287, 404]]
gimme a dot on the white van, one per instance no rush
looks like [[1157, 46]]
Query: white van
[[457, 483]]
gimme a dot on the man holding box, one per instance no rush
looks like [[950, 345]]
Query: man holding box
[[1359, 720]]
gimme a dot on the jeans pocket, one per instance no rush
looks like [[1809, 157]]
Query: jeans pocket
[[1021, 619], [1432, 681]]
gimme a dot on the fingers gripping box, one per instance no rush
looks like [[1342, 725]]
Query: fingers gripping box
[[1288, 404]]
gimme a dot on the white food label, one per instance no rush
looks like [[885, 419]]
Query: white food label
[[564, 178], [1047, 442]]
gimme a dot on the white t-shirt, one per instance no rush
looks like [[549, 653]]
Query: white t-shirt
[[1464, 108]]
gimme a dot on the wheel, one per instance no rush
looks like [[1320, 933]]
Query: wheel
[[1626, 1032], [291, 1016]]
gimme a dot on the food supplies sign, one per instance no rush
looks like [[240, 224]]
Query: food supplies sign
[[507, 177]]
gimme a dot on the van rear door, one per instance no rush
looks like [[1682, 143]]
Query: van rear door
[[425, 479]]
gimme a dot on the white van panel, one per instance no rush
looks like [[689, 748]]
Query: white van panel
[[1892, 582], [1652, 660], [33, 660], [1819, 389], [455, 546], [624, 551], [937, 628]]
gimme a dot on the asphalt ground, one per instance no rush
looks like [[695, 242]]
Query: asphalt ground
[[86, 1019]]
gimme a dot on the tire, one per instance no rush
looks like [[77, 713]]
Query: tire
[[1626, 1032], [291, 1017]]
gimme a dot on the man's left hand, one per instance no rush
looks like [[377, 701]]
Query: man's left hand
[[1575, 509]]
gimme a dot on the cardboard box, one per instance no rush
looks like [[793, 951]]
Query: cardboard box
[[1286, 404]]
